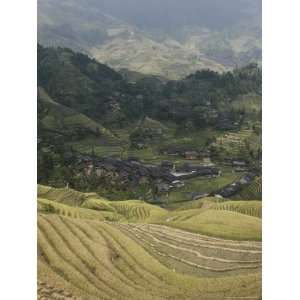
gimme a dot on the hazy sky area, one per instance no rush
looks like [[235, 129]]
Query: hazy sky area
[[162, 13]]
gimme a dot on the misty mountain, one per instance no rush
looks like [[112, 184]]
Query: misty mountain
[[169, 38]]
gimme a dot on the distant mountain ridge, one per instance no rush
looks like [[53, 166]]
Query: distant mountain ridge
[[161, 39]]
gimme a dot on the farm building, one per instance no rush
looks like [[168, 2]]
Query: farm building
[[178, 183], [238, 163], [191, 155]]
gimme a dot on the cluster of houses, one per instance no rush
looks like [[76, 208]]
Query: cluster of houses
[[235, 187], [165, 176], [240, 166], [186, 152], [224, 122]]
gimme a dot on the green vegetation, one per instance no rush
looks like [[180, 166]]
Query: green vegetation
[[57, 117], [150, 174], [110, 100], [147, 132], [253, 191], [85, 107], [192, 186], [106, 145]]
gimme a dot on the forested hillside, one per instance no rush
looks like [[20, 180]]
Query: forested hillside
[[87, 109], [74, 80]]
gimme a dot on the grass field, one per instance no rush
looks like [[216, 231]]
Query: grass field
[[92, 248], [178, 197]]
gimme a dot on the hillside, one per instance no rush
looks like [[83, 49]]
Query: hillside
[[231, 220], [81, 83], [75, 81], [88, 113], [149, 149], [94, 260], [168, 39], [67, 122], [82, 255]]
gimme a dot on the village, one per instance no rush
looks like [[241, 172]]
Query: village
[[162, 178]]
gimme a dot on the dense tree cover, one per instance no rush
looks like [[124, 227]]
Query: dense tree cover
[[88, 99], [75, 80]]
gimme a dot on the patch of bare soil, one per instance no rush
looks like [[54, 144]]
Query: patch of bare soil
[[48, 292]]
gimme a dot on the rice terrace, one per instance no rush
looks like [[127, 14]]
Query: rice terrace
[[149, 150], [125, 250]]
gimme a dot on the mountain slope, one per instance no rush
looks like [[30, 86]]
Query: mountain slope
[[86, 108], [228, 221], [63, 120], [163, 38], [91, 248], [95, 260]]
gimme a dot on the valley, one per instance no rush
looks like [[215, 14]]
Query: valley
[[163, 142], [149, 173]]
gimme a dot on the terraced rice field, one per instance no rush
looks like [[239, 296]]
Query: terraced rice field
[[233, 142], [92, 248], [134, 212], [218, 223], [236, 220], [138, 211], [89, 259], [196, 254], [251, 208], [48, 206]]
